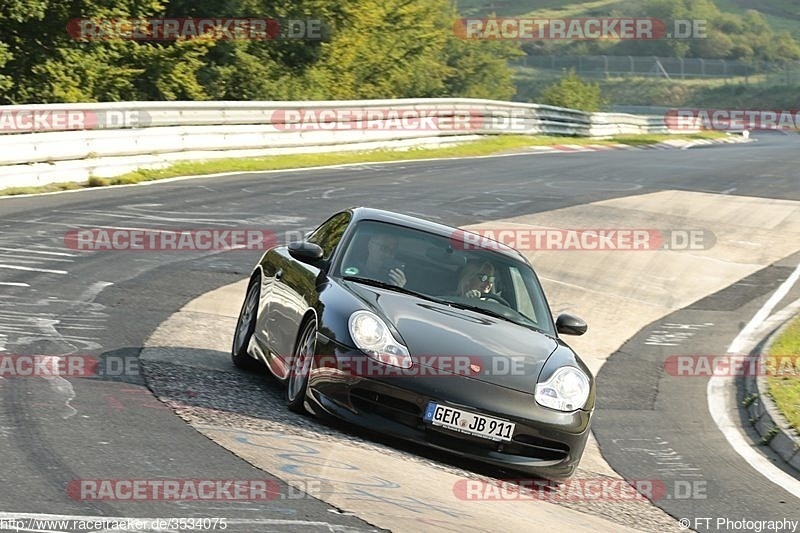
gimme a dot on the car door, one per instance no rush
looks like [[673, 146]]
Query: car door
[[294, 289]]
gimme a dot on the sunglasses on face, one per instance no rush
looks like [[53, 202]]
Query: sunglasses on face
[[484, 278]]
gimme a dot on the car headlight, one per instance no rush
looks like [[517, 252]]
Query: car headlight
[[566, 390], [373, 337]]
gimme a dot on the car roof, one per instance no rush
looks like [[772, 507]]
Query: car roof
[[436, 228]]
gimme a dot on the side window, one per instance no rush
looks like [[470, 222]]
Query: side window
[[328, 235]]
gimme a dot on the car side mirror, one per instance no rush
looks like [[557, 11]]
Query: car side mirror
[[306, 252], [570, 325]]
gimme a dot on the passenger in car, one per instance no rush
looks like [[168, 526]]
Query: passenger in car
[[476, 280]]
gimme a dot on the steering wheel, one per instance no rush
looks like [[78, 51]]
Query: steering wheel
[[496, 297]]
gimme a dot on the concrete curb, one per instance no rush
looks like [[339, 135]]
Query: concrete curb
[[765, 417]]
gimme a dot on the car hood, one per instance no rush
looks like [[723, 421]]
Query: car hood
[[443, 337]]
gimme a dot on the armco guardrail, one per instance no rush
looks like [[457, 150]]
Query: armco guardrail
[[70, 142]]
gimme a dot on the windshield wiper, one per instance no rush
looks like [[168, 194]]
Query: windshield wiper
[[384, 285]]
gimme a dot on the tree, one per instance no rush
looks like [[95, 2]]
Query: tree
[[574, 93], [48, 64], [369, 49], [480, 69]]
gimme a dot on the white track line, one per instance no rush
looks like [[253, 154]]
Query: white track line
[[31, 269], [720, 405], [14, 284], [743, 337], [31, 251], [17, 257]]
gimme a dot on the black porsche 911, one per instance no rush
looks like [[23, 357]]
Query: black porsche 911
[[421, 331]]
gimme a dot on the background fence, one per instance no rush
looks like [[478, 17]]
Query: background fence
[[663, 67]]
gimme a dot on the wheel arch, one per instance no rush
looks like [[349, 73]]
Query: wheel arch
[[308, 315], [258, 273]]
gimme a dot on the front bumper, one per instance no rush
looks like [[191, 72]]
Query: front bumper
[[545, 443]]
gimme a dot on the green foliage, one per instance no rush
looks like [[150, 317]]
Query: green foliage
[[477, 72], [369, 49], [170, 72], [72, 75], [5, 81], [747, 36], [572, 92], [49, 65], [385, 49], [769, 435]]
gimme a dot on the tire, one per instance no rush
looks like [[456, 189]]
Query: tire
[[245, 327], [297, 384]]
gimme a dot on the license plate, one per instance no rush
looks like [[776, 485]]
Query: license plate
[[469, 423]]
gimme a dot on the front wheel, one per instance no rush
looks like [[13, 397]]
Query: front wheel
[[301, 366], [245, 327]]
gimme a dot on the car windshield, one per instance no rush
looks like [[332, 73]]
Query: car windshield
[[447, 270]]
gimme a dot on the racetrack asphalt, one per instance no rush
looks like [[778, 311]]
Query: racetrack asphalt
[[109, 303]]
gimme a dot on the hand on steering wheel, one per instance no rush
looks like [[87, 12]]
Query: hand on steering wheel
[[496, 297]]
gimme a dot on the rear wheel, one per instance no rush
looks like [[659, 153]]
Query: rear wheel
[[301, 366], [245, 327]]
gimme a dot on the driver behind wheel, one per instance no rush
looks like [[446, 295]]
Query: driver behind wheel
[[379, 263], [476, 280]]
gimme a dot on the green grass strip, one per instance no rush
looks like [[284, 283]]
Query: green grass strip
[[494, 145], [785, 389]]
